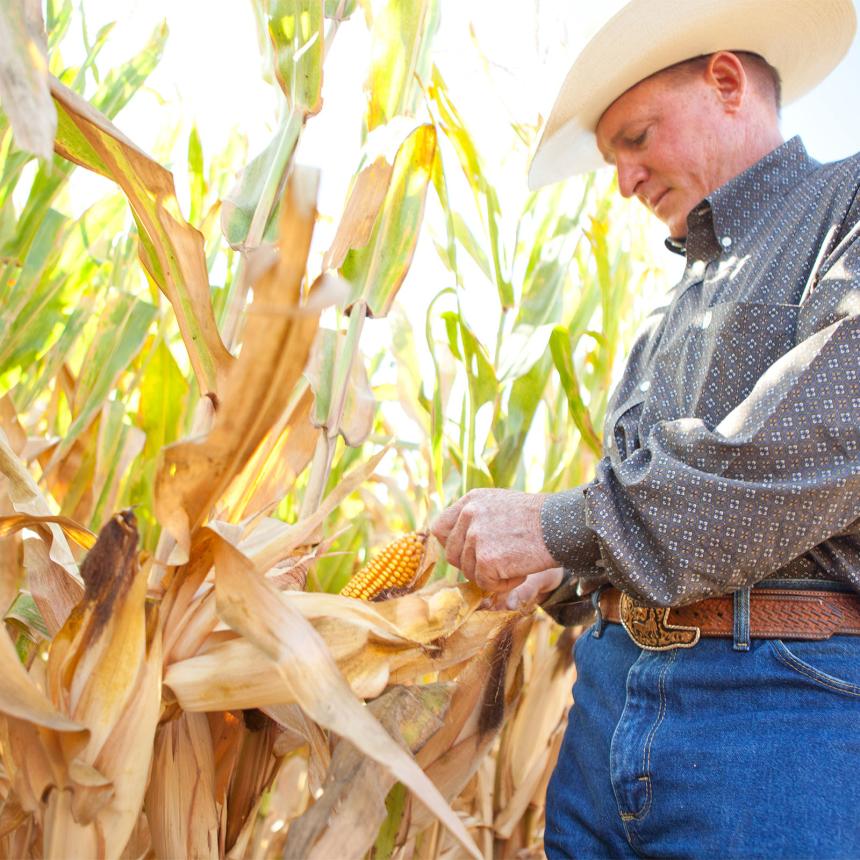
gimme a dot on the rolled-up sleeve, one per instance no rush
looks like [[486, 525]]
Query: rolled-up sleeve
[[700, 510]]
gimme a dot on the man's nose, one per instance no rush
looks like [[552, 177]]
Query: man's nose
[[630, 174]]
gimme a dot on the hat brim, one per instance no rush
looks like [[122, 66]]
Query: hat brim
[[804, 40]]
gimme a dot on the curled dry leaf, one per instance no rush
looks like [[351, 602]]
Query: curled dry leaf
[[27, 498]]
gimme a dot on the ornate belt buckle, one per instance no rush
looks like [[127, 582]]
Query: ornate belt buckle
[[649, 627]]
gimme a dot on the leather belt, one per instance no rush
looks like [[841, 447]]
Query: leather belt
[[774, 614]]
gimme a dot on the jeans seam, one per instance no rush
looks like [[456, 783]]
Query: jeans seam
[[794, 663], [649, 741]]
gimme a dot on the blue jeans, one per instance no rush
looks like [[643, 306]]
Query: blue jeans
[[709, 752]]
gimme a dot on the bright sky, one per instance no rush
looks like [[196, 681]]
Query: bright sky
[[210, 75]]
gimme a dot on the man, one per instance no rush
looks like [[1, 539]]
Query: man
[[717, 701]]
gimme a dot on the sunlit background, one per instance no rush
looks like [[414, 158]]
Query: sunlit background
[[503, 63]]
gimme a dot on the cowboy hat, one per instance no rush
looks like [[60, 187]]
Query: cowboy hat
[[803, 39]]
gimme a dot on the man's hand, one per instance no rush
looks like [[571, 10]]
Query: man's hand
[[533, 589], [494, 537]]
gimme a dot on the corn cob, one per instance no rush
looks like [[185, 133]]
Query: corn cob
[[395, 567]]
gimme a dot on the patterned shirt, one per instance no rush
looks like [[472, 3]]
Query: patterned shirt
[[732, 442]]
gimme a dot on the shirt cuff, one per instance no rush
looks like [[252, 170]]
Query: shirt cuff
[[566, 534]]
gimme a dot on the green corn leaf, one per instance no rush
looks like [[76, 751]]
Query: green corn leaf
[[512, 428], [376, 271], [196, 177], [402, 37], [161, 415], [298, 40], [562, 356], [486, 199], [120, 334], [31, 385], [171, 250], [118, 444], [339, 10], [249, 214], [112, 95]]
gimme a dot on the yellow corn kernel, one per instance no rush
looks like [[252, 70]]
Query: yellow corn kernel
[[396, 566]]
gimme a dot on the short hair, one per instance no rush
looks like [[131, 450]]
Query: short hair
[[765, 76]]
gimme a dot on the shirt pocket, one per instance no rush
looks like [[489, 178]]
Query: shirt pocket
[[621, 430], [711, 366]]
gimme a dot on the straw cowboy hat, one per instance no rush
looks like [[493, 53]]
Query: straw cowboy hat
[[803, 39]]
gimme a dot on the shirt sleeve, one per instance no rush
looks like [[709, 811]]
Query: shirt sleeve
[[698, 511], [567, 535]]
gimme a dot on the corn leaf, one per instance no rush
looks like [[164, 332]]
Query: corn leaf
[[249, 215], [296, 31], [277, 340], [339, 10], [377, 270], [452, 126], [402, 36], [55, 592], [356, 420], [180, 802], [24, 89], [115, 91], [170, 249], [366, 196], [562, 356], [80, 535], [121, 333], [20, 697], [27, 498]]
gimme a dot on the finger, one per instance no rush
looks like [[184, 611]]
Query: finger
[[467, 556], [523, 594], [442, 525], [457, 539]]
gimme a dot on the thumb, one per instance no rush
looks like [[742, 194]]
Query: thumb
[[535, 585]]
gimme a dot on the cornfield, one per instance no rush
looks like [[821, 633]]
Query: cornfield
[[207, 425]]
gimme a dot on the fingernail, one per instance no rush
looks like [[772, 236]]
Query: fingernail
[[512, 601]]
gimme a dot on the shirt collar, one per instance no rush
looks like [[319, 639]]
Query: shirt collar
[[727, 214]]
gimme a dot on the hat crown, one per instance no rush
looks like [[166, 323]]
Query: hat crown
[[803, 39]]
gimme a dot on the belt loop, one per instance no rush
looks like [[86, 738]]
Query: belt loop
[[599, 621], [742, 620]]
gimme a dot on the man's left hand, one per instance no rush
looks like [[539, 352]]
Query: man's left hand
[[494, 537]]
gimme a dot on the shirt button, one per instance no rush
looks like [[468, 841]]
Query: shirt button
[[644, 386], [726, 241], [706, 319]]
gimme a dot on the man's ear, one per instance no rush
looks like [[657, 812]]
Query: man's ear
[[726, 74]]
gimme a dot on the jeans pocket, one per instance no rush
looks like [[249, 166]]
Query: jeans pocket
[[832, 663]]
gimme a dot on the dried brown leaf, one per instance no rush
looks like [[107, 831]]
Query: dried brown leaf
[[359, 215], [194, 473], [180, 800]]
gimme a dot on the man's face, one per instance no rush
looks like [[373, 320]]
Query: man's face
[[663, 136]]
